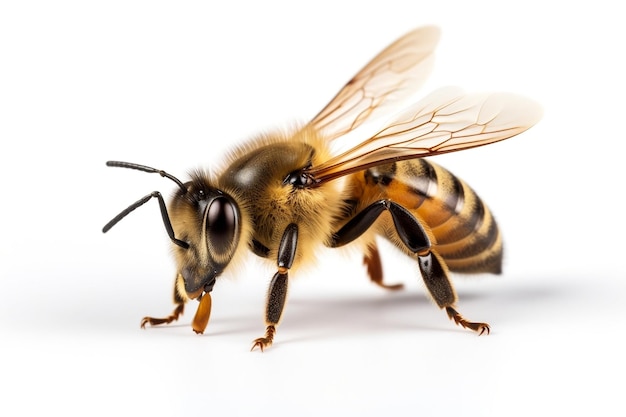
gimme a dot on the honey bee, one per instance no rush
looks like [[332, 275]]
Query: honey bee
[[285, 194]]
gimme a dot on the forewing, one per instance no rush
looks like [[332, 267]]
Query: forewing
[[445, 121], [391, 76]]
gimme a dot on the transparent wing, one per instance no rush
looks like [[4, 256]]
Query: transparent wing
[[391, 76], [445, 121]]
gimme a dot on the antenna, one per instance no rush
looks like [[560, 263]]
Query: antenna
[[164, 215], [148, 169]]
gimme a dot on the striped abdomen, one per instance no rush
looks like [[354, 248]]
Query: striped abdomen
[[467, 236]]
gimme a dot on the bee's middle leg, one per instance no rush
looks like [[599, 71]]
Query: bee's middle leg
[[277, 293]]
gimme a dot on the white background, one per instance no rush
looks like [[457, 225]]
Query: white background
[[174, 85]]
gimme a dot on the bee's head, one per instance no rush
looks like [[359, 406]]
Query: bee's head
[[209, 221], [204, 224]]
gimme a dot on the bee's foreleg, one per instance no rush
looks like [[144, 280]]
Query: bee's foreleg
[[180, 308], [277, 293]]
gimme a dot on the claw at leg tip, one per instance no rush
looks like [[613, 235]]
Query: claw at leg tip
[[260, 344]]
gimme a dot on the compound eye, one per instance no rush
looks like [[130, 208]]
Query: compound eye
[[222, 226]]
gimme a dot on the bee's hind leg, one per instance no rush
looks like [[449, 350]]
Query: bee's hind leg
[[436, 278], [415, 239], [432, 267], [372, 262]]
